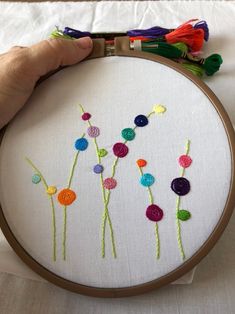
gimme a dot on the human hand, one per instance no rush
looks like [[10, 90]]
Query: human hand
[[21, 67]]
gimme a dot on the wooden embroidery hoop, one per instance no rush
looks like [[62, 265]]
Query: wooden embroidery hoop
[[121, 48]]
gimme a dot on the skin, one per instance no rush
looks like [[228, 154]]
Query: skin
[[21, 68]]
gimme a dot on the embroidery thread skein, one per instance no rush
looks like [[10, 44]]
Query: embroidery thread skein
[[210, 64], [188, 33], [157, 31]]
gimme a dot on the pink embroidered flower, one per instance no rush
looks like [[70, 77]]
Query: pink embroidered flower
[[185, 161], [110, 183]]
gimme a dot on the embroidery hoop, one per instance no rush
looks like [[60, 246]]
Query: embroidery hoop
[[121, 48]]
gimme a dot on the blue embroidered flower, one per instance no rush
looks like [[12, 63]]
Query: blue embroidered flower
[[147, 179], [81, 144]]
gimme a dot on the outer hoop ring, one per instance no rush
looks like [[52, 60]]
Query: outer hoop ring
[[122, 50]]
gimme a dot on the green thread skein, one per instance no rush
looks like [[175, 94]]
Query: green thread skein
[[212, 64]]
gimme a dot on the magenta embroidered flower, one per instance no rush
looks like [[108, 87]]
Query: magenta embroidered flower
[[154, 213], [86, 116], [120, 150]]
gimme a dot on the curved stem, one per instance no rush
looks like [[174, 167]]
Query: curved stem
[[74, 164], [106, 198], [150, 193], [51, 203], [105, 215]]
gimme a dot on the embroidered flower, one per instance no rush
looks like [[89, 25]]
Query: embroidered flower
[[102, 152], [120, 150], [147, 179], [66, 197], [93, 131], [154, 213], [141, 163], [185, 161], [81, 144], [159, 109], [110, 183], [180, 186], [141, 120], [98, 168], [51, 190], [128, 134], [86, 116], [36, 178]]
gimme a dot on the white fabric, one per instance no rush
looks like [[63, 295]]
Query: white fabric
[[128, 87], [25, 23]]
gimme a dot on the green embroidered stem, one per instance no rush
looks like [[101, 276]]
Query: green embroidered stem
[[151, 113], [73, 167], [187, 148], [178, 225], [74, 164], [148, 188], [51, 203], [151, 199], [105, 215], [64, 233], [105, 218], [53, 228], [179, 238], [109, 192], [38, 172], [157, 242]]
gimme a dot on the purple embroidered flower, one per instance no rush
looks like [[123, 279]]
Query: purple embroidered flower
[[93, 131], [180, 186]]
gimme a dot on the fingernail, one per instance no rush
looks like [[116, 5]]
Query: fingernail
[[84, 42]]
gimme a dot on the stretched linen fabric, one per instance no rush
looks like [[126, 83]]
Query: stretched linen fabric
[[172, 112]]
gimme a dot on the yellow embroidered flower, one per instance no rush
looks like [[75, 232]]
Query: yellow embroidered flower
[[159, 109], [51, 190]]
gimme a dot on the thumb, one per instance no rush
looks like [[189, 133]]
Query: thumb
[[49, 54]]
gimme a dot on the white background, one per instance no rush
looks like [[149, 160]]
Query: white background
[[217, 270], [45, 131]]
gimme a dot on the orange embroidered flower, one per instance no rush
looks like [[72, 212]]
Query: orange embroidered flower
[[66, 197], [141, 163]]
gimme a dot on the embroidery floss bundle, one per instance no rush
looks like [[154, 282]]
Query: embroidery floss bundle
[[157, 31], [188, 38], [192, 35], [210, 65]]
